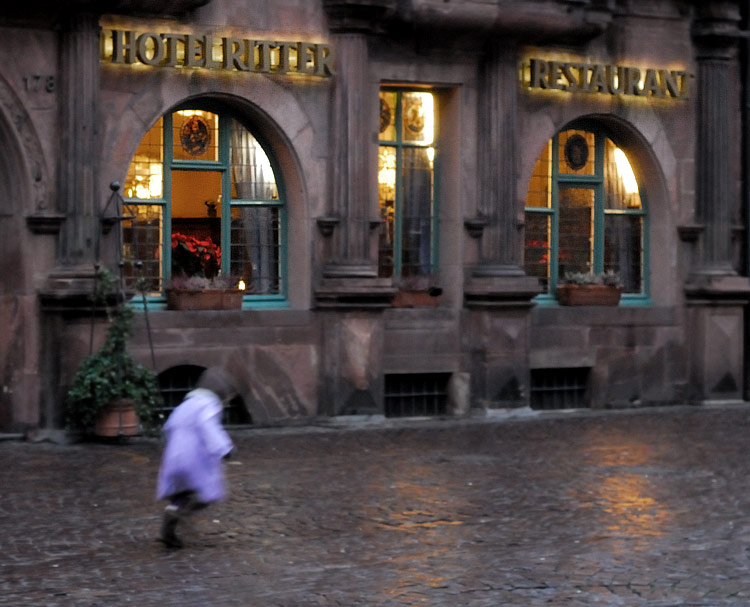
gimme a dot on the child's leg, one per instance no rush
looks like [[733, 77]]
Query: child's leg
[[169, 526], [180, 505]]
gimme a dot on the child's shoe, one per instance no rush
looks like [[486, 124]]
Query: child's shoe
[[168, 527]]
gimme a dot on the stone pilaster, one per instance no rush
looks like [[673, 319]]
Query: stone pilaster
[[498, 277], [349, 275], [78, 195], [497, 292], [350, 200], [715, 34], [716, 295]]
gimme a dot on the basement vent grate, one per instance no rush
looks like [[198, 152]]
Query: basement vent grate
[[559, 388], [416, 394]]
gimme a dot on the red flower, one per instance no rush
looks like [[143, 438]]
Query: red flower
[[192, 256]]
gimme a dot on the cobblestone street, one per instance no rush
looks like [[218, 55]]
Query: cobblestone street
[[617, 508]]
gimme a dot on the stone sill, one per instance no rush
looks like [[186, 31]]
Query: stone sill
[[615, 316]]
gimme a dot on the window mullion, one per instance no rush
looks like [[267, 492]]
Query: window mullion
[[166, 270], [598, 236], [226, 195], [398, 195], [554, 218]]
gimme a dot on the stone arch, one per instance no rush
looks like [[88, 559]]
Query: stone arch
[[653, 162]]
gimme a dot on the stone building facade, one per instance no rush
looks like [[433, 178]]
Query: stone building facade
[[342, 154]]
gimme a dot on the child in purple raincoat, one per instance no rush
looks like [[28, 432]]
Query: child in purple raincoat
[[191, 474]]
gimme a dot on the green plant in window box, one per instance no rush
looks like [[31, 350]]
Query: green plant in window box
[[590, 289], [111, 380]]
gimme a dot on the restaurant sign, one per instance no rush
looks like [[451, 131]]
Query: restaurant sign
[[207, 51], [606, 79]]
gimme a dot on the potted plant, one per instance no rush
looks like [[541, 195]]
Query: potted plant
[[111, 395], [193, 256], [589, 289], [201, 293]]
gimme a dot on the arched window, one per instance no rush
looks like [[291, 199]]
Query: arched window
[[586, 213], [201, 186]]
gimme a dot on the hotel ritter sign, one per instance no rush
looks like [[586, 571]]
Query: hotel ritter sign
[[607, 79], [221, 53]]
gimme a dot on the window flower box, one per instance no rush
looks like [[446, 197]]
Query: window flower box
[[417, 292], [199, 293], [588, 295], [205, 299], [586, 289]]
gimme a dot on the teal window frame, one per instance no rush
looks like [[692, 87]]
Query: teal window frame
[[398, 204], [596, 183], [223, 166]]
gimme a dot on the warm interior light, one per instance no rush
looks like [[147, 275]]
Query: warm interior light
[[387, 172], [154, 180], [241, 285], [625, 172], [429, 117]]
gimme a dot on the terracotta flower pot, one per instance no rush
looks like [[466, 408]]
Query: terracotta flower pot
[[588, 295], [117, 419]]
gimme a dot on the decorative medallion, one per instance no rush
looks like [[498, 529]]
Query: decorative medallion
[[385, 115], [414, 117], [195, 135], [576, 152]]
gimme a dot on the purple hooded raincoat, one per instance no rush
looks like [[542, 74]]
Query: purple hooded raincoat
[[196, 444]]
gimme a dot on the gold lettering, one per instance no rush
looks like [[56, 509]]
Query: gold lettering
[[632, 79], [120, 47], [153, 43], [197, 50], [538, 74], [607, 79], [669, 80], [194, 56], [263, 64], [171, 41], [305, 56], [597, 83], [614, 72], [208, 53], [553, 78], [651, 84], [583, 75], [323, 60], [567, 71], [283, 65], [233, 51]]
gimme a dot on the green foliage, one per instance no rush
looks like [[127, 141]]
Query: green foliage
[[112, 373], [609, 278]]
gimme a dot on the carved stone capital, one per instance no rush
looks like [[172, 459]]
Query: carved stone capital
[[364, 16], [45, 223], [716, 29]]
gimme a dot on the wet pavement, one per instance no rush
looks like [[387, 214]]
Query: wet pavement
[[621, 508]]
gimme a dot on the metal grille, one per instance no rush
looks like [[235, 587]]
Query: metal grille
[[176, 382], [418, 394], [559, 388]]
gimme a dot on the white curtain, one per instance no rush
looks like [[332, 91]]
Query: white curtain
[[254, 238]]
